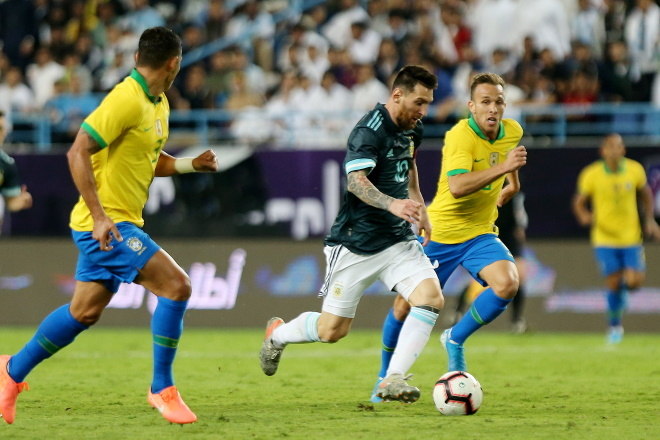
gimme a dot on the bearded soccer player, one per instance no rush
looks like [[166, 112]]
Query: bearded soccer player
[[372, 237], [113, 161]]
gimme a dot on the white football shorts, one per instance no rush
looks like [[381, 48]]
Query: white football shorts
[[400, 267]]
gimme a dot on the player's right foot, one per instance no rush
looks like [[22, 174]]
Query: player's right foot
[[269, 356], [171, 406], [615, 335], [374, 393], [9, 391], [454, 352], [395, 387]]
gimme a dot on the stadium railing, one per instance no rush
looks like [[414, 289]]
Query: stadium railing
[[552, 125]]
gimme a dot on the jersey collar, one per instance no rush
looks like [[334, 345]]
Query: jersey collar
[[475, 127], [620, 167], [389, 123], [137, 76]]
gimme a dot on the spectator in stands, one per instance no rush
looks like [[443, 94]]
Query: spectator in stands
[[614, 73], [42, 74], [642, 32], [195, 93], [546, 22], [141, 16], [364, 43], [15, 95], [69, 107], [18, 31], [588, 26], [241, 96], [389, 60], [256, 25], [368, 91], [338, 28], [214, 20]]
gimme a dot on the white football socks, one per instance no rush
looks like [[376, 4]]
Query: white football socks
[[302, 329], [414, 335]]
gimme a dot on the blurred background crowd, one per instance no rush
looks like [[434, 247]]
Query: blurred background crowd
[[311, 68]]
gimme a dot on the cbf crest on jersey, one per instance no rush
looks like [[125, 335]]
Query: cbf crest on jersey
[[159, 127], [494, 158]]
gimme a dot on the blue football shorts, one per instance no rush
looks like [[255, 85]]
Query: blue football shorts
[[473, 255], [611, 260], [118, 265]]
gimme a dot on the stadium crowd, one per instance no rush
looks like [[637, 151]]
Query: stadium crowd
[[306, 65]]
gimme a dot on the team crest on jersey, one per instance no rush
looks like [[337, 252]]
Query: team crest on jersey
[[159, 127], [134, 244], [2, 177], [337, 290], [411, 147], [494, 159]]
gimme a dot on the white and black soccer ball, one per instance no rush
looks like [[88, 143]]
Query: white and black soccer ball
[[457, 393]]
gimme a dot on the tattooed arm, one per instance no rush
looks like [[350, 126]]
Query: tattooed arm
[[363, 189], [80, 165]]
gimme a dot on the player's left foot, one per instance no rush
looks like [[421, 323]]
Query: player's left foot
[[455, 353], [171, 406], [395, 387], [615, 335], [9, 391], [374, 393], [269, 356]]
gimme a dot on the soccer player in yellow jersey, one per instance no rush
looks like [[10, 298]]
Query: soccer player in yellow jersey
[[611, 187], [113, 160], [480, 152]]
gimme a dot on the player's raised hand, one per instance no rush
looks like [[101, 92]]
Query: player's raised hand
[[104, 231], [516, 159], [207, 162], [407, 209]]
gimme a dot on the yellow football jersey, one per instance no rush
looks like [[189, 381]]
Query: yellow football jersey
[[613, 197], [468, 149], [131, 126]]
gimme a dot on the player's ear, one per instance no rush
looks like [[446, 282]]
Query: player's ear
[[397, 94]]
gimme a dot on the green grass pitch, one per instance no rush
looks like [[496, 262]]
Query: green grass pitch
[[536, 386]]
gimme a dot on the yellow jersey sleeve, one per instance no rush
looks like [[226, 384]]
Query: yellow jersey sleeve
[[112, 117]]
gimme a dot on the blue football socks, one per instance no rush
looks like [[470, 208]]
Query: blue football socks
[[166, 329], [55, 332], [616, 303], [483, 310], [391, 330]]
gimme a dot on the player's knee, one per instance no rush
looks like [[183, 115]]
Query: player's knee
[[181, 288], [506, 287], [87, 317]]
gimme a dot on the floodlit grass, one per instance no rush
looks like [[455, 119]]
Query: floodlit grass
[[536, 386]]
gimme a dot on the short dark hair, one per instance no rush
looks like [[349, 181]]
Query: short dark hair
[[409, 76], [156, 46], [485, 78]]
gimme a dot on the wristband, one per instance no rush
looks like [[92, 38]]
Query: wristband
[[184, 165]]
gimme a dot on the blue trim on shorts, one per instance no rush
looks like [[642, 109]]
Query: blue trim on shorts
[[473, 255], [611, 260], [116, 266]]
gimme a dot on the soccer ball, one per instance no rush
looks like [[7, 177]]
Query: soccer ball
[[457, 393]]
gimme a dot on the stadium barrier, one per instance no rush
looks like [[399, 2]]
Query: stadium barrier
[[242, 283], [295, 194]]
